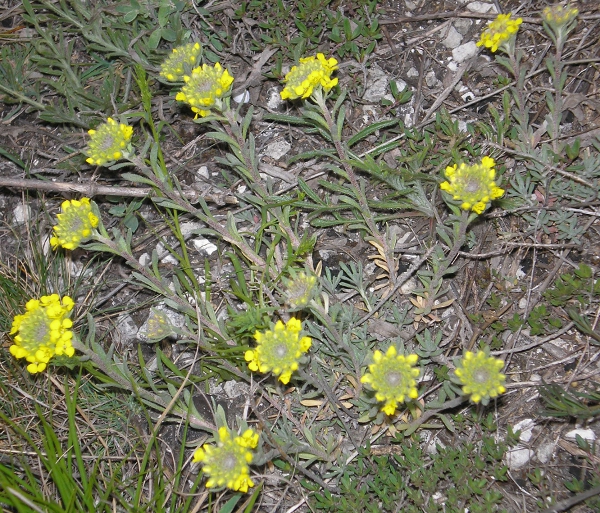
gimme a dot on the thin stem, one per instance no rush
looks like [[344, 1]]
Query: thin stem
[[362, 200], [132, 386]]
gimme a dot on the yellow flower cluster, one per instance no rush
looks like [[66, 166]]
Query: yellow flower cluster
[[301, 288], [75, 224], [107, 142], [181, 62], [474, 186], [43, 331], [279, 350], [558, 15], [204, 88], [312, 72], [499, 31], [392, 377], [227, 462], [480, 374]]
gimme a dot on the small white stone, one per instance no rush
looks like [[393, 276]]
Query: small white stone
[[545, 452], [167, 258], [274, 101], [378, 85], [408, 287], [278, 149], [453, 39], [431, 80], [188, 229], [243, 97], [203, 172], [205, 246], [22, 213], [522, 303], [520, 274], [412, 73], [144, 259], [125, 328], [525, 426], [234, 388], [586, 434], [481, 7], [463, 52], [518, 457]]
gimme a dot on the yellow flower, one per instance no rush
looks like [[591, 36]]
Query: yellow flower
[[43, 331], [227, 462], [159, 326], [474, 186], [181, 62], [481, 377], [279, 350], [75, 224], [205, 87], [108, 142], [499, 31], [300, 289], [558, 15], [312, 72], [392, 377]]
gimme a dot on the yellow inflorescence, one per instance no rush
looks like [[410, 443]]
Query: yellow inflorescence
[[204, 88], [558, 15], [227, 462], [474, 186], [300, 290], [481, 377], [393, 378], [108, 142], [314, 71], [43, 331], [75, 224], [279, 350], [499, 31], [181, 62]]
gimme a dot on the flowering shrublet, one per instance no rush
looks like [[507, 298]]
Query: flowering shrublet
[[480, 376], [227, 462], [204, 88], [392, 377], [499, 32], [474, 186], [108, 142], [75, 224], [314, 71], [279, 350], [43, 331], [181, 62], [300, 289]]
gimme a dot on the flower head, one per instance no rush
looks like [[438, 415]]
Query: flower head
[[181, 62], [227, 462], [499, 31], [474, 186], [559, 20], [312, 72], [204, 88], [300, 289], [158, 325], [279, 350], [559, 15], [480, 376], [108, 142], [43, 331], [75, 224], [392, 376]]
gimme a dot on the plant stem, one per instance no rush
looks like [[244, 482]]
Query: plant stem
[[360, 195]]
